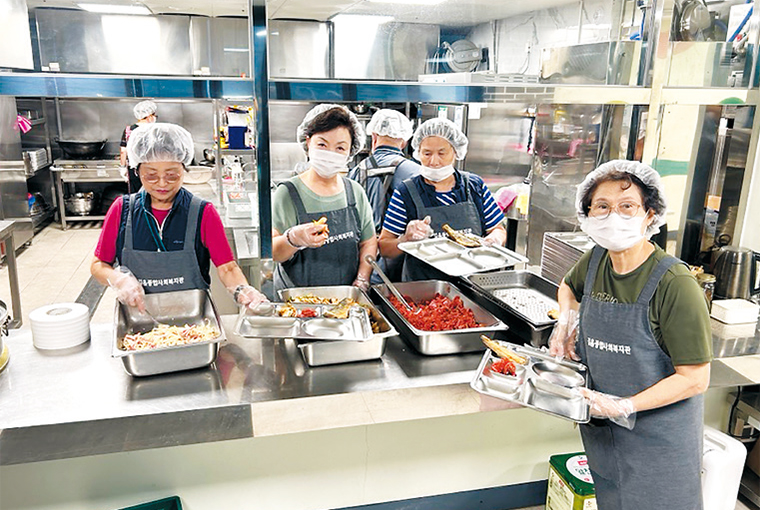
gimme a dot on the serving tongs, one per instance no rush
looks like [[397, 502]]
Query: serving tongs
[[371, 261]]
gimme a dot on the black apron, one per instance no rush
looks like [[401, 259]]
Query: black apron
[[460, 216], [657, 464], [334, 263], [165, 271]]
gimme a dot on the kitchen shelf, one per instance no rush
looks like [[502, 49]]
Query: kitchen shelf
[[237, 152]]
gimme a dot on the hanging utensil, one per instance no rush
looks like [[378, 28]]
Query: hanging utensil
[[371, 261]]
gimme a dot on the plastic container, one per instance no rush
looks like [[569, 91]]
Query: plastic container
[[570, 484], [236, 138], [172, 503], [734, 311], [722, 466]]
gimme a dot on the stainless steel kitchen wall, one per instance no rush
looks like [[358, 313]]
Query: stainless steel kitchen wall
[[299, 49], [106, 119], [15, 39], [10, 137], [220, 46]]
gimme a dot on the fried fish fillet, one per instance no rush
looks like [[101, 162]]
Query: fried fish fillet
[[459, 237]]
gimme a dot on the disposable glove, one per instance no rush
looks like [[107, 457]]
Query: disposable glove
[[620, 411], [564, 335], [248, 296], [492, 239], [417, 230], [124, 173], [361, 282], [307, 235], [128, 289]]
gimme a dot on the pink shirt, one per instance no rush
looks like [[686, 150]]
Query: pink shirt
[[212, 234]]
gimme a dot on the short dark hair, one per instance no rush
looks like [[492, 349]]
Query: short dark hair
[[329, 120], [651, 198]]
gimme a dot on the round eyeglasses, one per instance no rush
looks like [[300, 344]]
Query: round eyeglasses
[[169, 177], [602, 210]]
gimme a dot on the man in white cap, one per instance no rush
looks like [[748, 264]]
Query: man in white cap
[[145, 113]]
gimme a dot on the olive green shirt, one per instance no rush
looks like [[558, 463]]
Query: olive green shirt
[[678, 310], [284, 213]]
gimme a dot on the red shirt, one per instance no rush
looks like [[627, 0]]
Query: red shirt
[[212, 234]]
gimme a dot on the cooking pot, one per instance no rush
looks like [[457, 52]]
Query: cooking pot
[[82, 149], [208, 155], [735, 271], [80, 204]]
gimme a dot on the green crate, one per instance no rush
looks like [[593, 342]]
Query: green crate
[[172, 503]]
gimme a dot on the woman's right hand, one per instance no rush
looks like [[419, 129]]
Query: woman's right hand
[[564, 335], [128, 289], [306, 235], [417, 230]]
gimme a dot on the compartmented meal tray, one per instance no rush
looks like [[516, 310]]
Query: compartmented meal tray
[[455, 260]]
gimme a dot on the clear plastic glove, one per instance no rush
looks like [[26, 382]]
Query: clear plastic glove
[[307, 235], [128, 289], [248, 296], [124, 173], [620, 411], [564, 335], [491, 240], [417, 230], [361, 282]]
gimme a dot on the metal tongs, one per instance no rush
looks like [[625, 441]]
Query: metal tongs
[[371, 261]]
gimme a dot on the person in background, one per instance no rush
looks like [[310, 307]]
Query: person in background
[[163, 238], [644, 333], [439, 195], [384, 170], [145, 113], [322, 227]]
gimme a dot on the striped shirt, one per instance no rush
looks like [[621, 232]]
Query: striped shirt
[[396, 218]]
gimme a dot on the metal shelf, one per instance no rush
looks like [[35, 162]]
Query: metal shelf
[[237, 152]]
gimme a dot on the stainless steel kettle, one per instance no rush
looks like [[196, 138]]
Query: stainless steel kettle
[[735, 271]]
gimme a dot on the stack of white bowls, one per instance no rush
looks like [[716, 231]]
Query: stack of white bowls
[[60, 325]]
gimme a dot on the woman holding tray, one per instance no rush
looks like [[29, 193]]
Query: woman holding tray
[[643, 330]]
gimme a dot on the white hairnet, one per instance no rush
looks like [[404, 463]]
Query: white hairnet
[[445, 129], [144, 108], [645, 173], [358, 138], [390, 123], [160, 141]]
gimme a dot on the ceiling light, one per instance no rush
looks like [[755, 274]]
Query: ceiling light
[[409, 2], [116, 9], [236, 50]]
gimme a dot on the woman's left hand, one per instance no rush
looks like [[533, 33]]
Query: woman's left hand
[[361, 282], [621, 411], [250, 297]]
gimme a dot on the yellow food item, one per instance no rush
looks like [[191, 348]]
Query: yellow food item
[[553, 314], [322, 227], [502, 351], [164, 335], [459, 237]]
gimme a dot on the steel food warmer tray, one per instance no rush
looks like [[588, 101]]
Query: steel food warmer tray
[[318, 353], [520, 298], [454, 259], [438, 342], [173, 308], [544, 383]]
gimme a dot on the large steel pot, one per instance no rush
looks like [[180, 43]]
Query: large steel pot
[[82, 149], [80, 204]]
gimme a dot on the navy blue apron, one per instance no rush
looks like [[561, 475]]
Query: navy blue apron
[[657, 464]]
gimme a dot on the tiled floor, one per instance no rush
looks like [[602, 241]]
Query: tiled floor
[[56, 267]]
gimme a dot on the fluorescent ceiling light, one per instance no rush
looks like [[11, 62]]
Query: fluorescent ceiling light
[[236, 50], [408, 2], [116, 9]]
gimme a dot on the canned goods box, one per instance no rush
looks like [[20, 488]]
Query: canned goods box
[[570, 484]]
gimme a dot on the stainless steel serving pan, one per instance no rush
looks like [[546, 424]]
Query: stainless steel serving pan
[[520, 299], [544, 383], [174, 308], [438, 342], [455, 260], [329, 353]]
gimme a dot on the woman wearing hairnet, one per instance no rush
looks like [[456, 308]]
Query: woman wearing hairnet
[[145, 113], [322, 225], [644, 332], [439, 195], [163, 238]]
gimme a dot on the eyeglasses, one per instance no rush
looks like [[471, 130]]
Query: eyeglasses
[[169, 177], [626, 210]]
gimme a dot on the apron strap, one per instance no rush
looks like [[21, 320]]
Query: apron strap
[[350, 198], [654, 279], [466, 183], [597, 252], [416, 198], [297, 202], [128, 203], [191, 228]]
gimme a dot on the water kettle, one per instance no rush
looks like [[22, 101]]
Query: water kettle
[[736, 271]]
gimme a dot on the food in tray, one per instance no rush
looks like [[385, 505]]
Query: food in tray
[[463, 238], [311, 299], [164, 335], [502, 351], [553, 314], [322, 227], [341, 310], [504, 366], [439, 314], [287, 310]]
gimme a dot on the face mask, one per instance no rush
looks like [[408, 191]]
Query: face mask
[[327, 163], [437, 174], [614, 232]]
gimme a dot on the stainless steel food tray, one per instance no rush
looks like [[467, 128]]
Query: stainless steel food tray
[[329, 353], [438, 342], [174, 308], [520, 298], [544, 384], [356, 327], [455, 260]]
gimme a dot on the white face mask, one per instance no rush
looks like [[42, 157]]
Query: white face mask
[[327, 163], [437, 174], [614, 232]]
